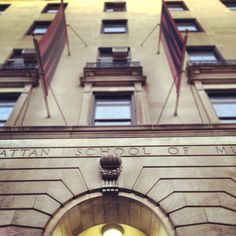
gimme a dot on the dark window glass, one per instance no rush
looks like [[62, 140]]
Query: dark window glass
[[224, 105], [113, 109], [114, 26], [3, 7], [204, 54], [230, 4], [7, 103], [176, 6], [21, 58], [113, 54], [52, 8], [188, 24], [39, 27], [114, 6]]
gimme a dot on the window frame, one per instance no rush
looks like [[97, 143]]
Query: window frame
[[182, 5], [8, 100], [227, 4], [3, 7], [113, 96], [192, 23], [203, 49], [38, 24], [46, 9], [222, 97], [17, 58], [116, 22], [115, 7], [109, 58]]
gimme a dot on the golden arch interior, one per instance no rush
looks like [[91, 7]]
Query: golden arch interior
[[88, 217]]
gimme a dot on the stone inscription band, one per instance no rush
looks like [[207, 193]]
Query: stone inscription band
[[118, 150]]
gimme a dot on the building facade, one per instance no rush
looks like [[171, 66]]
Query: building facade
[[104, 147]]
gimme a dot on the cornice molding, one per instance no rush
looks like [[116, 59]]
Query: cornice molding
[[141, 131]]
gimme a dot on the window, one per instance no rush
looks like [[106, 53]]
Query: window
[[3, 7], [224, 105], [105, 54], [110, 54], [230, 4], [114, 6], [7, 103], [21, 58], [114, 26], [203, 54], [52, 8], [188, 24], [113, 109], [176, 6], [39, 27]]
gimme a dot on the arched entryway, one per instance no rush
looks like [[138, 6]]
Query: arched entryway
[[87, 215]]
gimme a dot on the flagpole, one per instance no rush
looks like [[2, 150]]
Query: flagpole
[[180, 75], [43, 85], [67, 39], [159, 40]]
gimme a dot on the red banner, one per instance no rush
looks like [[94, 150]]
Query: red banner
[[50, 47], [174, 44]]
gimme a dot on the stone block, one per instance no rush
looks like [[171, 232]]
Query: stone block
[[173, 202], [188, 216], [30, 218], [20, 201], [221, 216], [161, 190], [6, 217], [46, 204]]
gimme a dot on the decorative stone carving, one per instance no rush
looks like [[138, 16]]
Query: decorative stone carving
[[111, 166], [110, 169]]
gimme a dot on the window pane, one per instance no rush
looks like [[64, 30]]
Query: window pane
[[113, 123], [114, 29], [114, 26], [7, 103], [177, 8], [225, 106], [5, 112], [189, 27], [114, 6], [113, 111], [40, 30], [52, 11], [228, 121], [202, 56], [225, 110]]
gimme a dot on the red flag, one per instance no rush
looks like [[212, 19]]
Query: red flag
[[50, 47], [174, 44]]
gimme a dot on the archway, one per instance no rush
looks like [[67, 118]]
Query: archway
[[90, 213]]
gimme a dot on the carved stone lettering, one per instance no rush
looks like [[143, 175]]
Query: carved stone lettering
[[133, 151], [173, 150], [90, 152], [78, 152], [145, 151], [33, 153], [119, 151], [233, 149], [45, 152], [3, 153], [93, 151], [221, 150], [14, 152]]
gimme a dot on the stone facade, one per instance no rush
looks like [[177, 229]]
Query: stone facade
[[177, 173]]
